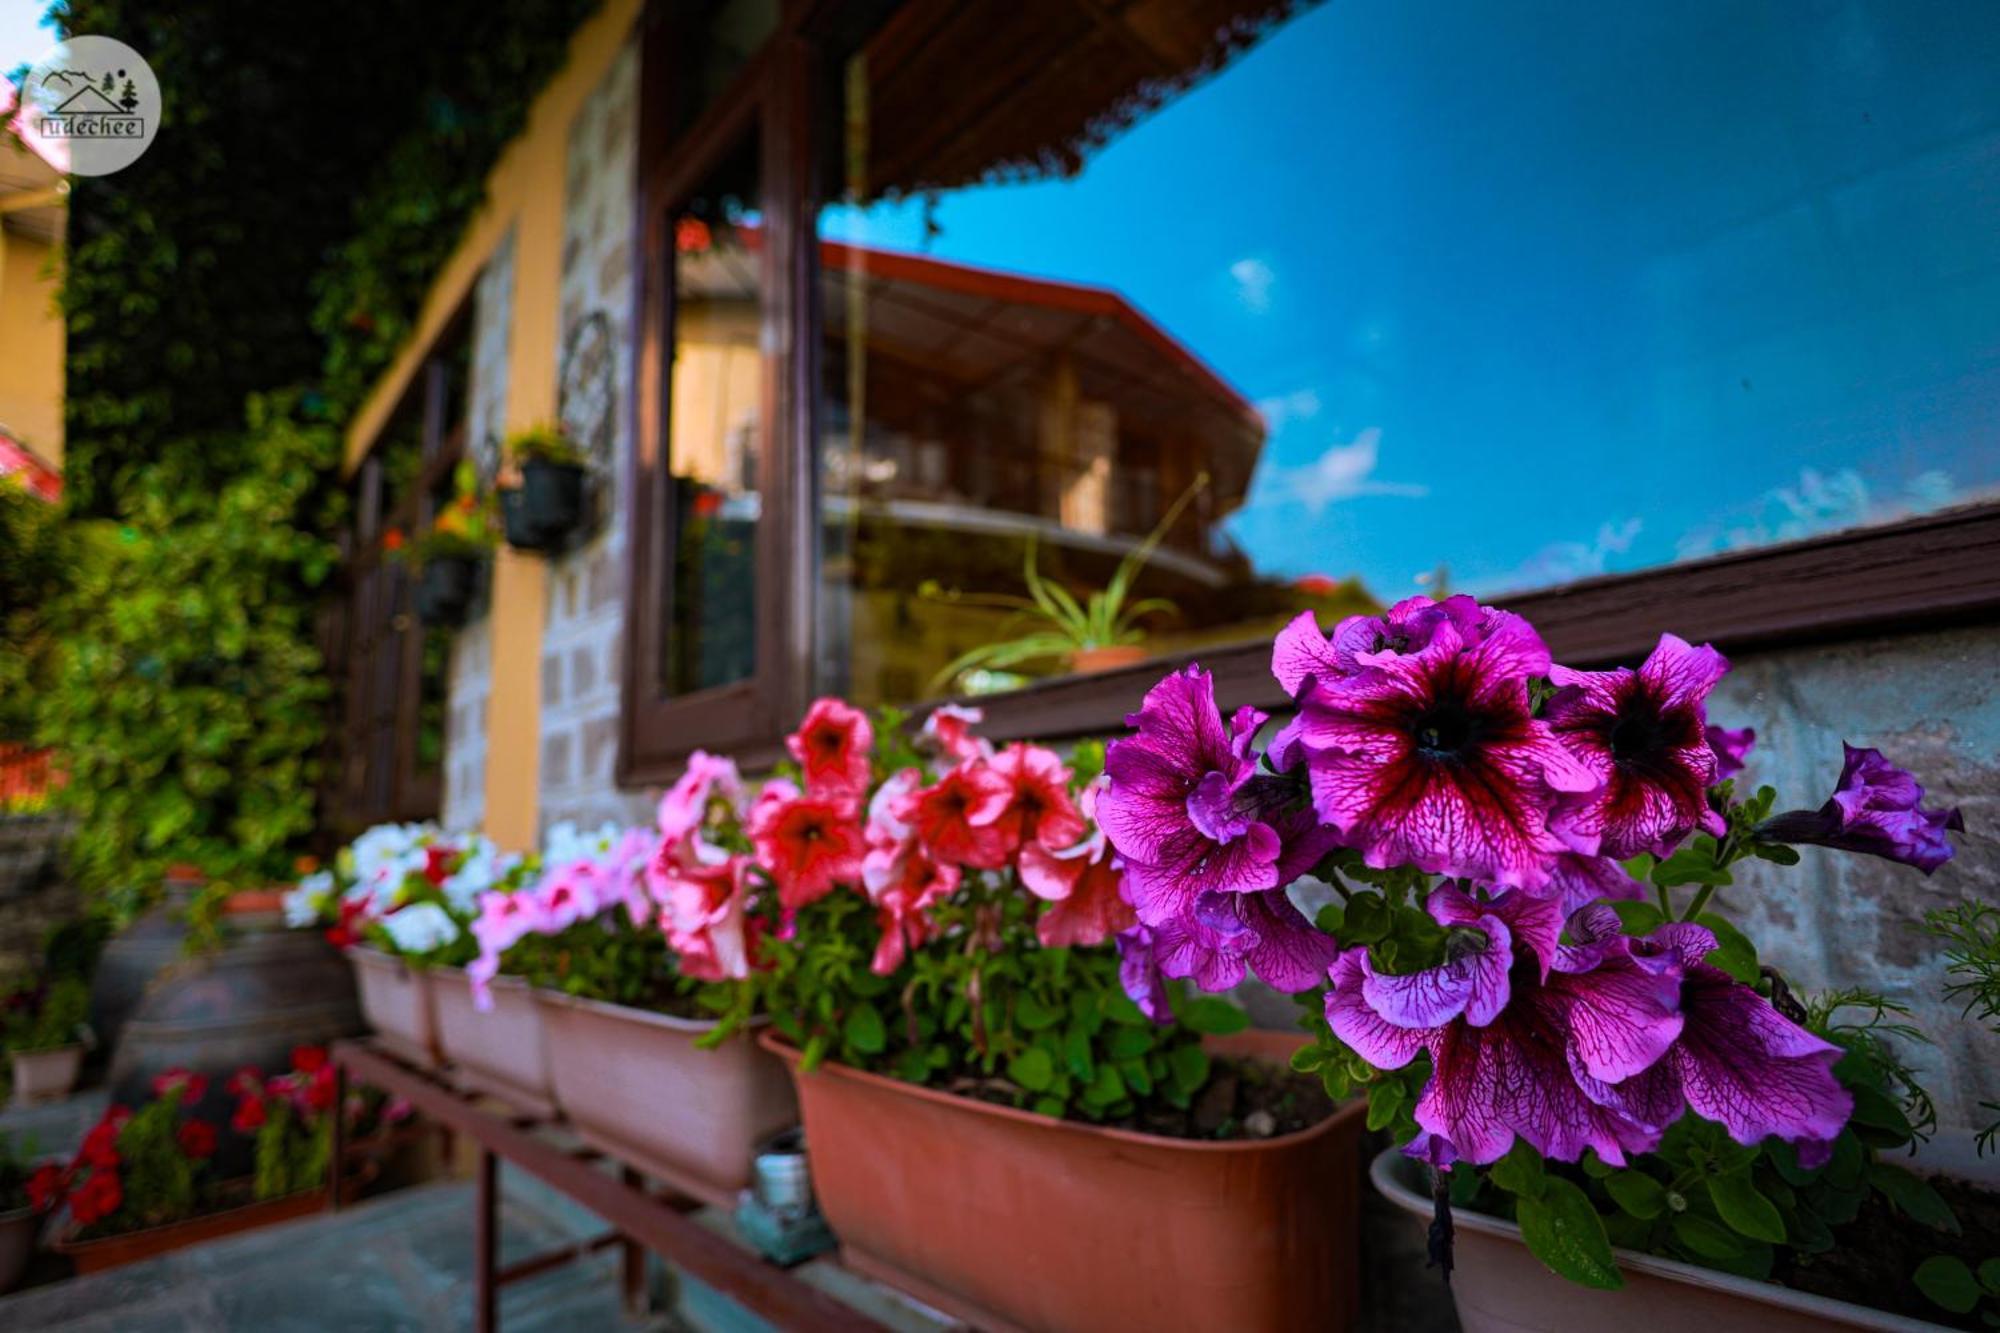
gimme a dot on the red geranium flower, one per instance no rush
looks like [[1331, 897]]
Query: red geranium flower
[[100, 1145], [832, 746], [309, 1059], [46, 1187], [249, 1115], [807, 844], [97, 1198], [956, 818], [319, 1092], [197, 1139]]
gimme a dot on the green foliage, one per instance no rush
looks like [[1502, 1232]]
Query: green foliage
[[985, 1011], [30, 567], [47, 1016], [160, 1180], [1956, 1286], [291, 1150], [1971, 932], [609, 959], [544, 442], [189, 703], [467, 528]]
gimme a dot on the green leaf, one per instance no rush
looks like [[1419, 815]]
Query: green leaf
[[864, 1030], [1733, 952], [1214, 1015], [1710, 1240], [1692, 864], [1032, 1069], [1033, 1015], [1188, 1066], [1128, 1043], [1948, 1282], [1775, 852], [1989, 1276], [1563, 1230], [1520, 1171], [1745, 1208], [1105, 1089], [1137, 1076], [1639, 918], [1637, 1193], [1076, 1054], [1384, 1101], [1914, 1197]]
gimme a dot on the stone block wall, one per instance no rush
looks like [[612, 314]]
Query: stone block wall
[[35, 894], [582, 644]]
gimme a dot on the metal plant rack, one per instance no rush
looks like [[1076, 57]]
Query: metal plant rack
[[641, 1216]]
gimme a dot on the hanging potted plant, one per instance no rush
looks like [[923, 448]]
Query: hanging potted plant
[[1631, 1117], [46, 1036], [452, 555], [625, 1014], [543, 511], [991, 1119]]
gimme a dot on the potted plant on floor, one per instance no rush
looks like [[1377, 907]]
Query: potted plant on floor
[[990, 1119], [20, 1221], [1534, 980], [625, 1014], [45, 1037], [543, 511], [452, 555]]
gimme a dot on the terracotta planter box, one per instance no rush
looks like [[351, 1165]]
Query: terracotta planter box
[[633, 1083], [1501, 1288], [1014, 1221], [17, 1245], [94, 1256], [45, 1076], [500, 1051], [396, 1001]]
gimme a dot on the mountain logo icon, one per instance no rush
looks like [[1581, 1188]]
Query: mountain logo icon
[[87, 101], [90, 106]]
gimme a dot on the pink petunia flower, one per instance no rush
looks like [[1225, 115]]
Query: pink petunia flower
[[956, 818], [806, 843], [1040, 812], [947, 731], [707, 922], [832, 746], [1644, 736], [708, 779], [1434, 759]]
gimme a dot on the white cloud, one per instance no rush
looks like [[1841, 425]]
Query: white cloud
[[1254, 280], [1563, 562], [1341, 473], [1298, 405]]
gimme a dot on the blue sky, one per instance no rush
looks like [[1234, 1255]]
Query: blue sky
[[1540, 290]]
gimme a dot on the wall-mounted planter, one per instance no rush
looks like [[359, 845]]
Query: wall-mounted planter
[[548, 507], [396, 1002], [1501, 1288], [503, 1050], [46, 1076], [446, 587], [633, 1083], [1015, 1221]]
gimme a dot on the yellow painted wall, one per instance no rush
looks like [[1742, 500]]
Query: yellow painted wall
[[525, 193], [31, 346]]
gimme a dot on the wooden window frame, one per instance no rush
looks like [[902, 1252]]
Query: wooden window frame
[[1927, 572]]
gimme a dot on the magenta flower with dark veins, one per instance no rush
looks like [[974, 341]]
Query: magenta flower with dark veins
[[1229, 934], [1876, 808], [1139, 974], [1301, 652], [1732, 749], [1187, 809], [1523, 1073], [1576, 881], [1738, 1061], [1434, 759], [1483, 942], [1644, 735]]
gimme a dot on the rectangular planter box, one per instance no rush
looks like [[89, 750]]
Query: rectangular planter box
[[1015, 1221], [94, 1256], [1499, 1287], [396, 1001], [633, 1083], [501, 1051]]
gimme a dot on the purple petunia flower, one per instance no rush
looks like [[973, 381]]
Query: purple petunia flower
[[1139, 974], [1187, 809], [1644, 734], [1732, 748], [1876, 808], [1229, 934], [1576, 881], [1738, 1061], [1301, 652], [1480, 955], [1433, 758]]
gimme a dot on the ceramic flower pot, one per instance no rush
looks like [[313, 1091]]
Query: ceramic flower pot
[[1500, 1287], [1015, 1221], [502, 1050], [46, 1076], [634, 1084], [396, 1002], [552, 498], [17, 1245], [1089, 661], [445, 589]]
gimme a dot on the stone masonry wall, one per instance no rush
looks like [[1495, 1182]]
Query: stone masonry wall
[[582, 661], [471, 670]]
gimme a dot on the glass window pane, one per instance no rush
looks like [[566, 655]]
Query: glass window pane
[[1486, 297], [715, 406]]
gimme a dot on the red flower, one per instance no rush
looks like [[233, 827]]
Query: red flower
[[955, 818], [100, 1145], [249, 1115], [97, 1198], [691, 236], [319, 1092], [832, 746], [197, 1139], [46, 1187], [1041, 811], [310, 1059], [392, 540], [808, 844], [346, 932], [245, 1082], [192, 1087], [1081, 887], [437, 864]]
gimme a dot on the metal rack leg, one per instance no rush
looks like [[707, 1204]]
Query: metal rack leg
[[485, 1245], [632, 1258]]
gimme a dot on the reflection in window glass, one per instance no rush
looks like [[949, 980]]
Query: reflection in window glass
[[1491, 297], [715, 432]]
